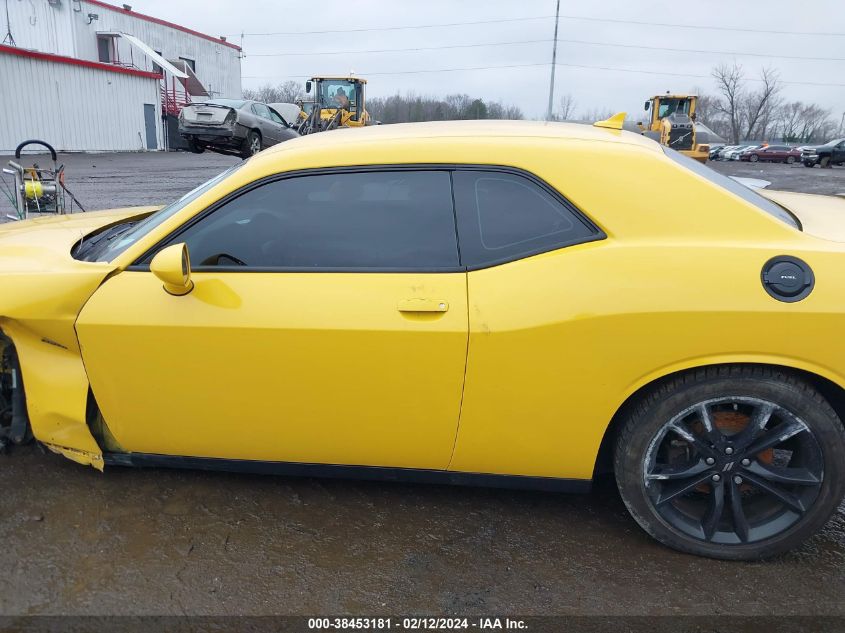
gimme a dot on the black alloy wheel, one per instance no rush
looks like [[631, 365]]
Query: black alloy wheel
[[733, 470], [737, 462]]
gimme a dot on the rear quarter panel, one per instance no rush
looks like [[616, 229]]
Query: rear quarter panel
[[560, 340]]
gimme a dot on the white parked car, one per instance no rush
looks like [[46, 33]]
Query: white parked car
[[734, 154]]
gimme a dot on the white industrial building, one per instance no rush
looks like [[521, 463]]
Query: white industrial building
[[85, 75]]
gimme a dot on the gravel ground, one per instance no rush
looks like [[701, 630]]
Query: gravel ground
[[174, 542], [787, 177], [108, 181]]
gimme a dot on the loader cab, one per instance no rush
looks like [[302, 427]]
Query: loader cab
[[663, 106], [346, 93]]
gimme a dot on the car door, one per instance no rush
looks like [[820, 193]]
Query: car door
[[327, 324], [838, 154], [284, 130], [269, 130]]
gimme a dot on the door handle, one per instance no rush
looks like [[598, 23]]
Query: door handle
[[422, 305]]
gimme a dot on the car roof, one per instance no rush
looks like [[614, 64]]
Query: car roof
[[467, 132]]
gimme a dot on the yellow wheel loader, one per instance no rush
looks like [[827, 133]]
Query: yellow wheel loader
[[337, 102], [672, 123]]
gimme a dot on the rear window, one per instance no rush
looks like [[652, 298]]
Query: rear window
[[231, 103], [734, 187]]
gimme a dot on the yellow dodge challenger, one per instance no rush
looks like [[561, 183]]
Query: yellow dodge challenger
[[508, 304]]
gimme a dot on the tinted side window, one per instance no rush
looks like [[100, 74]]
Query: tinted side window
[[398, 220], [504, 216], [275, 116]]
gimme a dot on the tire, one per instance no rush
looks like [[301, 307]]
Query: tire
[[753, 158], [824, 162], [194, 147], [769, 521], [252, 144], [790, 160], [810, 165]]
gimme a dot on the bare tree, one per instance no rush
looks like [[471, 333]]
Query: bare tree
[[799, 122], [705, 109], [459, 105], [290, 91], [286, 92], [758, 107], [496, 110], [566, 108], [790, 116], [729, 83], [816, 124], [411, 107], [596, 114], [794, 121]]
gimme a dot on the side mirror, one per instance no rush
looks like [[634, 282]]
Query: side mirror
[[308, 87], [647, 105], [173, 266]]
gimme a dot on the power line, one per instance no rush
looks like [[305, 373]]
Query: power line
[[400, 28], [701, 26], [544, 41], [407, 72], [585, 66], [707, 52], [398, 50], [545, 17]]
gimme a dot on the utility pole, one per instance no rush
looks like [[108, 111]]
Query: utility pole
[[9, 40], [554, 59]]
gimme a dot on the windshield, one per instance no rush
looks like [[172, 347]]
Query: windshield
[[335, 93], [121, 238], [834, 142], [734, 187], [671, 106], [232, 103]]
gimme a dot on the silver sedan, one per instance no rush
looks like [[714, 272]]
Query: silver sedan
[[233, 126]]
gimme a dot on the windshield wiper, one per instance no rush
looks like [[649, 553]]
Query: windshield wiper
[[88, 249]]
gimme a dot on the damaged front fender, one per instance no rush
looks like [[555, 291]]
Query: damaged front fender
[[56, 391], [42, 290]]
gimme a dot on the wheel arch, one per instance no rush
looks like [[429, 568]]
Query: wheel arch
[[828, 385]]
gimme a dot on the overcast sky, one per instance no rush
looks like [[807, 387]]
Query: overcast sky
[[526, 84]]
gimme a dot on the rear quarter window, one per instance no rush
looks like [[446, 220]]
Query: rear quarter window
[[503, 216]]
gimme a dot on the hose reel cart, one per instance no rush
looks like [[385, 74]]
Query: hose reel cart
[[36, 189]]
